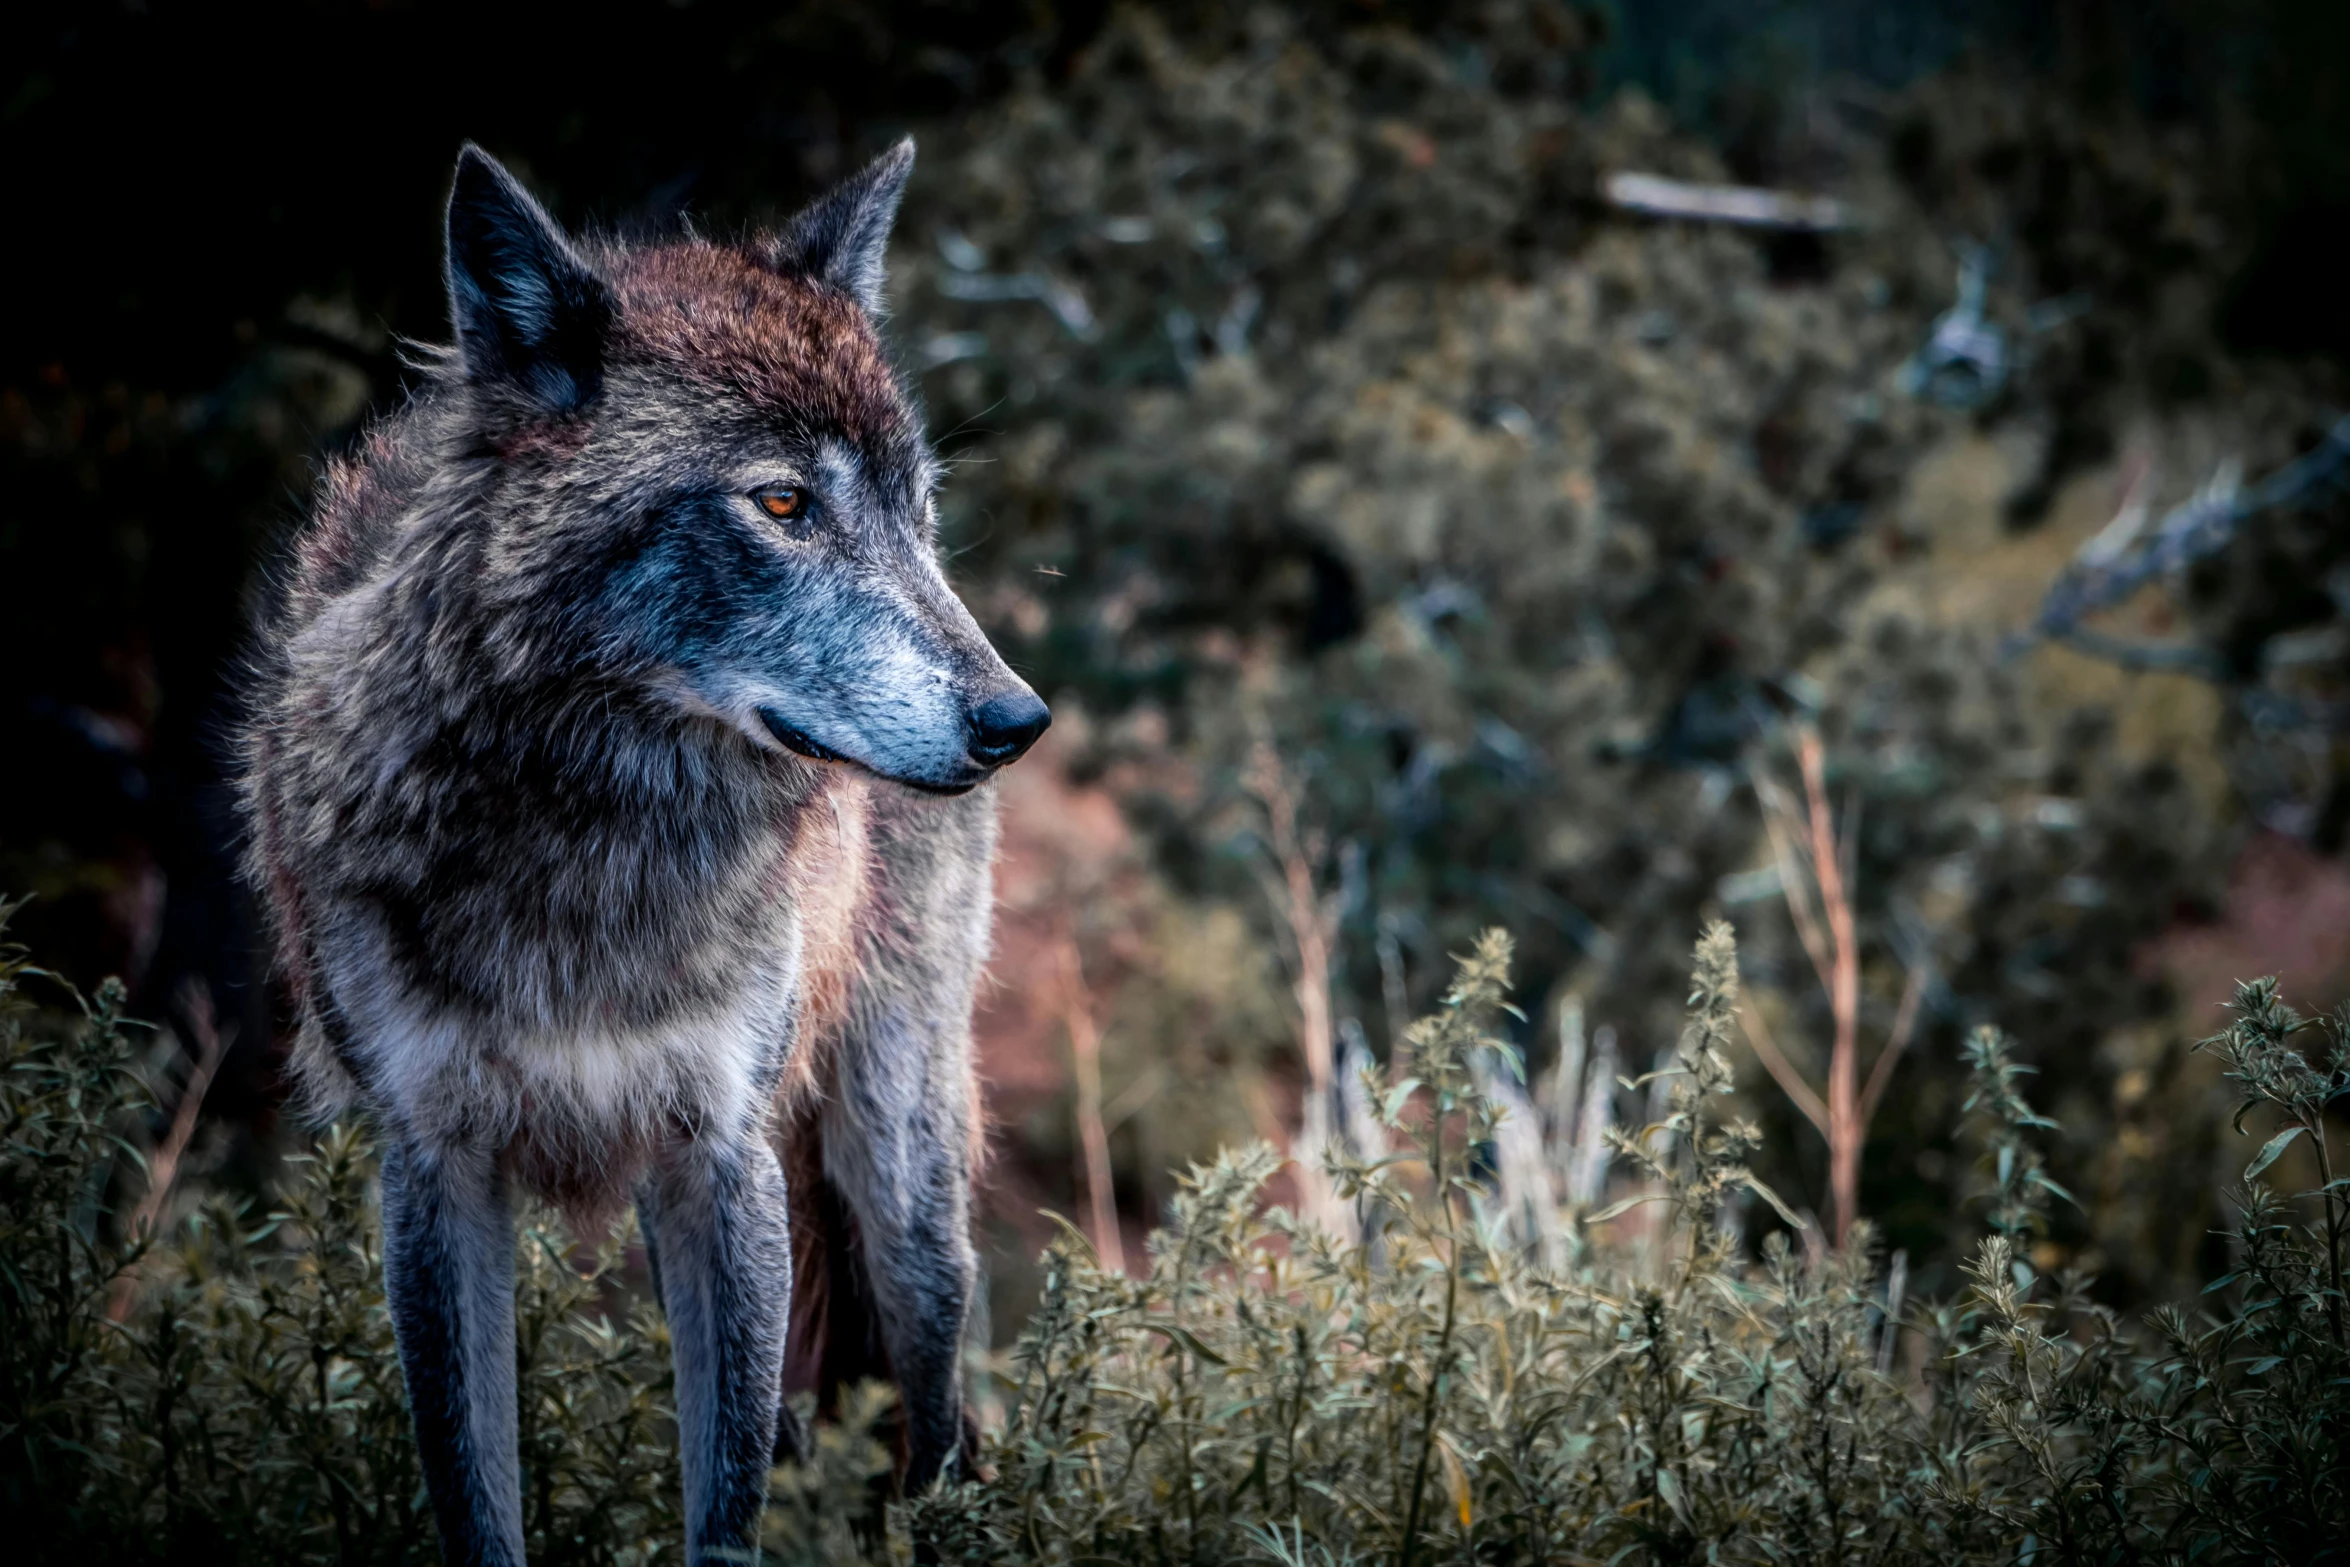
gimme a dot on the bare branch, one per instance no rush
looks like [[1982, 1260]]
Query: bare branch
[[1780, 822], [1085, 1050], [163, 1170], [1746, 206], [1798, 1092], [1848, 838], [1844, 1127], [1310, 919], [1134, 1097], [1904, 1024]]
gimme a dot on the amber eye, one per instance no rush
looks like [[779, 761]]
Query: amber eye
[[787, 502]]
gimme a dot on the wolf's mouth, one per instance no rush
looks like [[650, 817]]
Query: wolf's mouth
[[796, 739], [799, 742]]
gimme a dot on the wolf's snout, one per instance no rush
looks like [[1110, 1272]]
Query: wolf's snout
[[1004, 727]]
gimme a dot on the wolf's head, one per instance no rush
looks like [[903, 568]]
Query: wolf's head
[[698, 475]]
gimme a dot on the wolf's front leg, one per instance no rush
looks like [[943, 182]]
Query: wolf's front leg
[[897, 1143], [714, 1215], [449, 1279]]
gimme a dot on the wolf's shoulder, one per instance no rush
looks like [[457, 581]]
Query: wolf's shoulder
[[361, 498]]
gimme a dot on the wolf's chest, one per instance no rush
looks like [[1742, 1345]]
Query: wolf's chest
[[581, 1030], [828, 873], [590, 1102]]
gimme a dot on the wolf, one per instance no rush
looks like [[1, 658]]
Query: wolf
[[617, 780]]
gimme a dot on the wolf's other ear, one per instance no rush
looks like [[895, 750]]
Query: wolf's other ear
[[529, 311], [841, 236]]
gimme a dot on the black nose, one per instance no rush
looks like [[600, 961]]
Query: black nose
[[1004, 727]]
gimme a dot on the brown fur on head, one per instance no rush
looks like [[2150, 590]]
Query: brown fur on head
[[794, 349]]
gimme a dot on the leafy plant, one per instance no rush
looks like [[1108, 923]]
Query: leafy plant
[[247, 1405], [1428, 1389], [2219, 1436], [62, 1090]]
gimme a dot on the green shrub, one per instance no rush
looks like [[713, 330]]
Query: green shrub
[[1417, 1392], [2222, 1435], [248, 1406], [1426, 1395]]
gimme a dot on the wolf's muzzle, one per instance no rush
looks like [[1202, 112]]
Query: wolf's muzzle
[[1004, 727], [796, 739]]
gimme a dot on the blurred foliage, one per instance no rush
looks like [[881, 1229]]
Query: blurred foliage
[[1418, 1392], [1301, 380], [1308, 383]]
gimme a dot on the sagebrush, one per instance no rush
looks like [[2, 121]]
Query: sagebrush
[[1416, 1391]]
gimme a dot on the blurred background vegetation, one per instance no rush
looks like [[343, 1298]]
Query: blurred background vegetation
[[1410, 537]]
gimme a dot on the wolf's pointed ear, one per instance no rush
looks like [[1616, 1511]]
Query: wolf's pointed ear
[[840, 237], [529, 312]]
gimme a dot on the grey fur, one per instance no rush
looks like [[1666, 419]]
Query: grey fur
[[618, 832], [449, 1276]]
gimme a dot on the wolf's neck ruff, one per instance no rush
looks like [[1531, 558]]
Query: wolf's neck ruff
[[538, 856], [620, 827]]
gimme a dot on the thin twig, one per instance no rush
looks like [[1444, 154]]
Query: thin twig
[[1311, 923], [1303, 910], [1746, 206], [1778, 821], [2327, 1190], [1844, 1129], [1905, 1019], [1442, 1363], [1133, 1097], [1085, 1050], [1848, 838], [163, 1170], [1896, 1286], [1790, 1081]]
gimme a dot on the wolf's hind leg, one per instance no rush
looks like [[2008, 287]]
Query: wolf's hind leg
[[897, 1146], [449, 1279], [714, 1216]]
